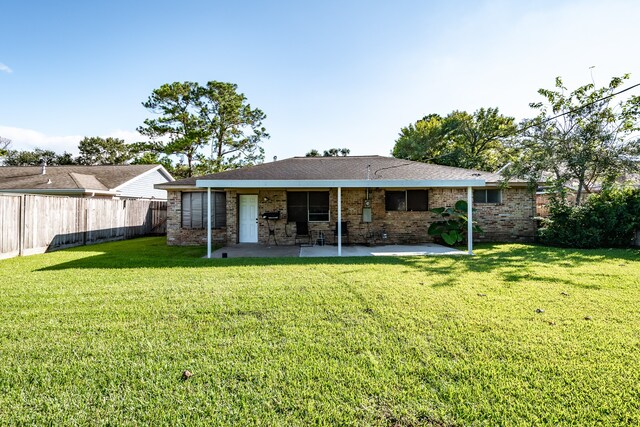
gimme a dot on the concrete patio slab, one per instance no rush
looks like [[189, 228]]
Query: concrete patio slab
[[254, 250], [248, 250], [389, 250]]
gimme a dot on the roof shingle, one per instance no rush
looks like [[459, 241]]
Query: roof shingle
[[99, 178], [344, 168]]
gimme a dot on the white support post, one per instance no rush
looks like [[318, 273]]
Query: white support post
[[470, 220], [208, 222], [339, 225]]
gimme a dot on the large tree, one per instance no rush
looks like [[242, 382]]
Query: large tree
[[234, 129], [179, 128], [476, 141], [104, 151], [583, 137], [192, 116], [424, 141]]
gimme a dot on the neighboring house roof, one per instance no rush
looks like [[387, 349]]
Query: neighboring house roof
[[102, 180], [355, 169]]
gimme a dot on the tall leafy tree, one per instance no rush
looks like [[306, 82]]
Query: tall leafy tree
[[234, 129], [476, 141], [180, 129], [583, 137], [104, 151], [425, 141], [192, 116]]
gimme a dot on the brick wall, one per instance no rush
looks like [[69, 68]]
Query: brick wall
[[509, 221]]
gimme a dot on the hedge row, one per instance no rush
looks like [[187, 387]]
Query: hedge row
[[608, 219]]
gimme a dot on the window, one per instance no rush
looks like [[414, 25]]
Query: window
[[194, 210], [487, 196], [409, 200], [310, 206]]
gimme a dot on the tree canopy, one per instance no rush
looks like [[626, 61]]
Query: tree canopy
[[582, 137], [233, 128], [331, 152], [475, 141], [179, 125], [104, 151], [36, 157], [192, 116]]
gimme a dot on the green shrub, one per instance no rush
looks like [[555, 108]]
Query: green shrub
[[608, 219], [452, 228]]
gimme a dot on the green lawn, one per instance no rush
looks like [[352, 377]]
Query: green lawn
[[101, 335]]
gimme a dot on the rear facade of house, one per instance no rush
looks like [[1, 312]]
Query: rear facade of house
[[290, 204]]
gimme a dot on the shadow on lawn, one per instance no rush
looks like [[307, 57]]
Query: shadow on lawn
[[511, 263], [529, 263]]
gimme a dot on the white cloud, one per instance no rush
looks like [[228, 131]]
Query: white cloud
[[128, 136], [29, 139], [5, 68]]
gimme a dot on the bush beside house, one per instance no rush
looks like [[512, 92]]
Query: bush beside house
[[608, 219]]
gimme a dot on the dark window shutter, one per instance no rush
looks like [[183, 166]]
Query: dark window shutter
[[220, 211], [186, 210]]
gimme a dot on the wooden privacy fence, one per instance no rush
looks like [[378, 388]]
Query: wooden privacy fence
[[31, 224]]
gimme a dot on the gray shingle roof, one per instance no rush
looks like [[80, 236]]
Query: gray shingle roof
[[100, 178], [344, 168]]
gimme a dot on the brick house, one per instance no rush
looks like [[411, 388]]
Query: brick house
[[363, 199], [382, 200]]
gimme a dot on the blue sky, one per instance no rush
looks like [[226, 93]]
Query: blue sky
[[327, 74]]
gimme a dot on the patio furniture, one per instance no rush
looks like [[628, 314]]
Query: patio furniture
[[302, 233], [345, 231]]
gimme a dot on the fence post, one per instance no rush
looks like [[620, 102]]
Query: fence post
[[22, 227], [84, 222]]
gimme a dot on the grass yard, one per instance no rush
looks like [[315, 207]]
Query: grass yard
[[100, 335]]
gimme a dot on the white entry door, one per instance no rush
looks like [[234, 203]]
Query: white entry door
[[248, 219]]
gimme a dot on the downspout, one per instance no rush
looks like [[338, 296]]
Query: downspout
[[470, 220], [339, 221], [208, 222]]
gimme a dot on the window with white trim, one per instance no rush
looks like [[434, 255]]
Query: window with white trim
[[487, 196], [406, 200], [194, 210]]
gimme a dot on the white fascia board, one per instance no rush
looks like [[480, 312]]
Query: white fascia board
[[344, 183]]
